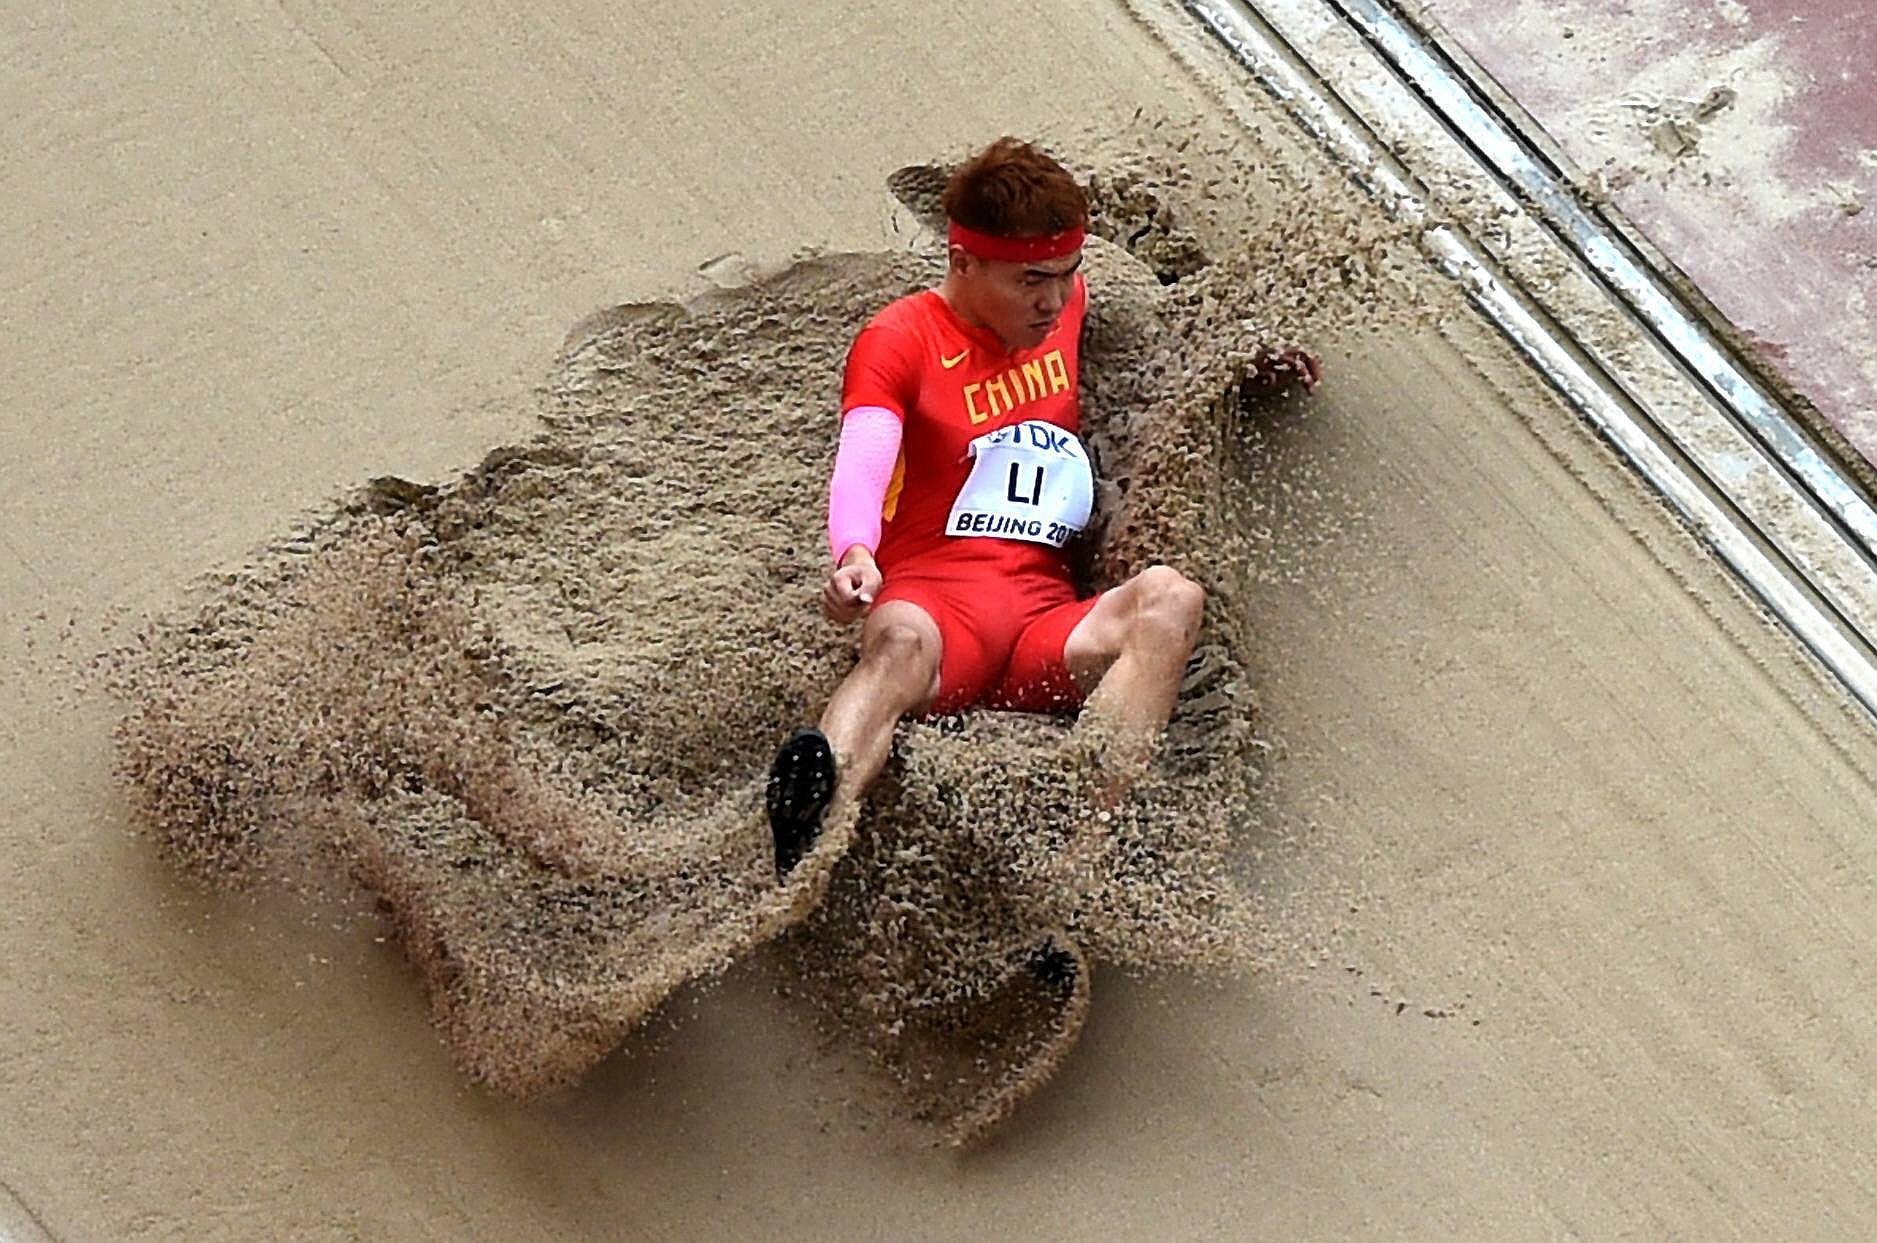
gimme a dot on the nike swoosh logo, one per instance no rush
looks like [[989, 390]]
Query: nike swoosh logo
[[949, 363]]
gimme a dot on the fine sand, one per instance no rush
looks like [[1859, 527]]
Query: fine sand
[[1553, 856], [526, 714]]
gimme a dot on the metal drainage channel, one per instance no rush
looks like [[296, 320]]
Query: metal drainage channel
[[1797, 594]]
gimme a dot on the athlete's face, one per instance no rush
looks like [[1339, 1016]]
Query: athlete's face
[[1020, 302]]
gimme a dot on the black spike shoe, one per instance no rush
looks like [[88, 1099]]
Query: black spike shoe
[[801, 785], [1054, 966]]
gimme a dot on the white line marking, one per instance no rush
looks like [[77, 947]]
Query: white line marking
[[1840, 568]]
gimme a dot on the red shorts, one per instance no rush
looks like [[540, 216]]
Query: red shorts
[[1002, 638]]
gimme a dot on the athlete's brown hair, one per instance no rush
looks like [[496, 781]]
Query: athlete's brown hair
[[1013, 189]]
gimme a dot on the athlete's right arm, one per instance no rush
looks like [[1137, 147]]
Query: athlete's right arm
[[863, 469], [879, 386]]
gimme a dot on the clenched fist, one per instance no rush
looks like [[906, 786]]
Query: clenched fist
[[1276, 370], [852, 586]]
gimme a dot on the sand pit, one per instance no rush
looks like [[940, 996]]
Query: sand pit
[[529, 713], [1562, 853]]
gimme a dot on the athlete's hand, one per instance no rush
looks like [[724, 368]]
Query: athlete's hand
[[851, 589], [1276, 370]]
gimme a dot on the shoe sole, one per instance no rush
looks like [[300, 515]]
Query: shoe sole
[[801, 785]]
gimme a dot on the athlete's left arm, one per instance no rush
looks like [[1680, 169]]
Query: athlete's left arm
[[1274, 371]]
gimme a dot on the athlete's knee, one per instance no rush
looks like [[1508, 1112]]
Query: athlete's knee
[[1169, 606], [901, 650]]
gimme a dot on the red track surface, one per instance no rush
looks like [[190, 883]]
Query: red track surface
[[1771, 204]]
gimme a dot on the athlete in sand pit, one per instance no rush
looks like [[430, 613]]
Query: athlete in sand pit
[[958, 482]]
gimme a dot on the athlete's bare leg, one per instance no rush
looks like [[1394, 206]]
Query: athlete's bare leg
[[1129, 655], [897, 673]]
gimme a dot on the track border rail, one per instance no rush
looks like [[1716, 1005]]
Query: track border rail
[[1450, 92], [1704, 499]]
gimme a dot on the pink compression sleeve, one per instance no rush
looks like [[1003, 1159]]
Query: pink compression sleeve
[[863, 467]]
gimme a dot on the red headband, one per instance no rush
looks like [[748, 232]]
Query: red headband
[[1017, 249]]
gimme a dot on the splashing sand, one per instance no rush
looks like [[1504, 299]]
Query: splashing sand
[[530, 712]]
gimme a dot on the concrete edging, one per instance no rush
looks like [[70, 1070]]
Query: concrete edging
[[18, 1224], [1583, 309]]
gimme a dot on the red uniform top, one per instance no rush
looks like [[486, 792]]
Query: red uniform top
[[950, 384]]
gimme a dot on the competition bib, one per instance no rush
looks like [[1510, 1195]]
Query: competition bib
[[1029, 481]]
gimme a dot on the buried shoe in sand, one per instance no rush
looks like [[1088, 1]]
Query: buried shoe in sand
[[531, 713]]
